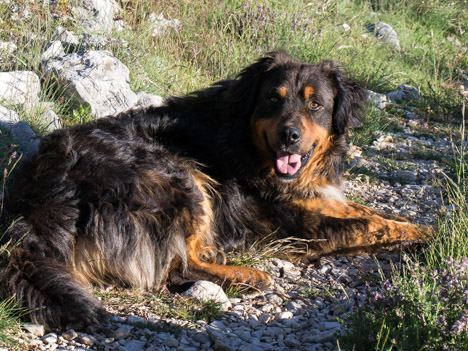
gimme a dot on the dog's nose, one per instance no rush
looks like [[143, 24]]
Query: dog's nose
[[290, 135]]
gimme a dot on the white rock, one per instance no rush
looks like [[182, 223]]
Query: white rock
[[386, 33], [19, 87], [345, 27], [378, 100], [205, 291], [95, 78], [8, 116], [50, 338], [161, 24], [65, 36], [35, 329], [51, 120], [6, 46], [96, 15], [284, 315], [54, 49], [148, 100]]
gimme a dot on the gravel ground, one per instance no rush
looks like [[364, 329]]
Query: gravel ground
[[397, 173]]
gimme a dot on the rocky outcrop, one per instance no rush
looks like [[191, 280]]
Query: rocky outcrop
[[94, 78]]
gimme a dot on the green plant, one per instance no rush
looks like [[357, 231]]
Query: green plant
[[423, 306], [80, 115], [10, 312], [419, 309]]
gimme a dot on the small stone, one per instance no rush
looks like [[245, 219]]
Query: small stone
[[25, 137], [136, 345], [264, 318], [285, 315], [172, 341], [54, 49], [35, 329], [207, 291], [345, 27], [321, 337], [70, 334], [274, 299], [135, 320], [404, 93], [146, 100], [87, 339], [161, 25], [65, 36], [122, 333], [378, 100], [324, 269], [386, 33], [51, 120], [50, 338]]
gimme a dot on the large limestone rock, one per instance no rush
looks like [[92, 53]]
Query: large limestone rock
[[94, 78], [19, 87]]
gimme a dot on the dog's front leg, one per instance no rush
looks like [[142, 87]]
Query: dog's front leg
[[346, 227]]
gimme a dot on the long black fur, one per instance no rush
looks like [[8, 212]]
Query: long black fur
[[120, 181]]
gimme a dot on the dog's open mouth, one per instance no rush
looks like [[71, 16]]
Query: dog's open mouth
[[288, 166]]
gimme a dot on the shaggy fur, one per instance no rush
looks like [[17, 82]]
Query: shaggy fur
[[155, 195]]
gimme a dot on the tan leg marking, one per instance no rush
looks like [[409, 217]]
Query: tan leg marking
[[196, 268]]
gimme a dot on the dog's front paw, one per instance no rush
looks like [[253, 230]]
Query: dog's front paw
[[251, 277], [212, 255]]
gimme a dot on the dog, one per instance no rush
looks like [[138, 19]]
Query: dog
[[158, 195]]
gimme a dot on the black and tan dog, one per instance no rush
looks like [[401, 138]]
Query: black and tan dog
[[155, 195]]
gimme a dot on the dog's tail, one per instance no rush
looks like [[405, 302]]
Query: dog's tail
[[37, 279]]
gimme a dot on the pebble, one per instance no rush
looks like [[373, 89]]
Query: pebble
[[50, 338], [35, 329], [70, 335], [122, 333], [87, 339]]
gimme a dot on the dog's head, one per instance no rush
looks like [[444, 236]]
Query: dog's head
[[296, 110]]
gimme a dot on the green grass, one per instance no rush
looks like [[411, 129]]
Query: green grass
[[163, 304], [10, 325]]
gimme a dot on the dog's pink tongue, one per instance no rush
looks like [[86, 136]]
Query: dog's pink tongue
[[287, 163]]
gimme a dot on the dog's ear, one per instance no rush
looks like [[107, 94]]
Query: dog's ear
[[348, 99], [244, 89]]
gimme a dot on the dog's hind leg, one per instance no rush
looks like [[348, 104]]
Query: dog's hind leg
[[198, 269], [204, 261]]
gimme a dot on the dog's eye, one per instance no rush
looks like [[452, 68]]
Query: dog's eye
[[273, 99], [314, 105]]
